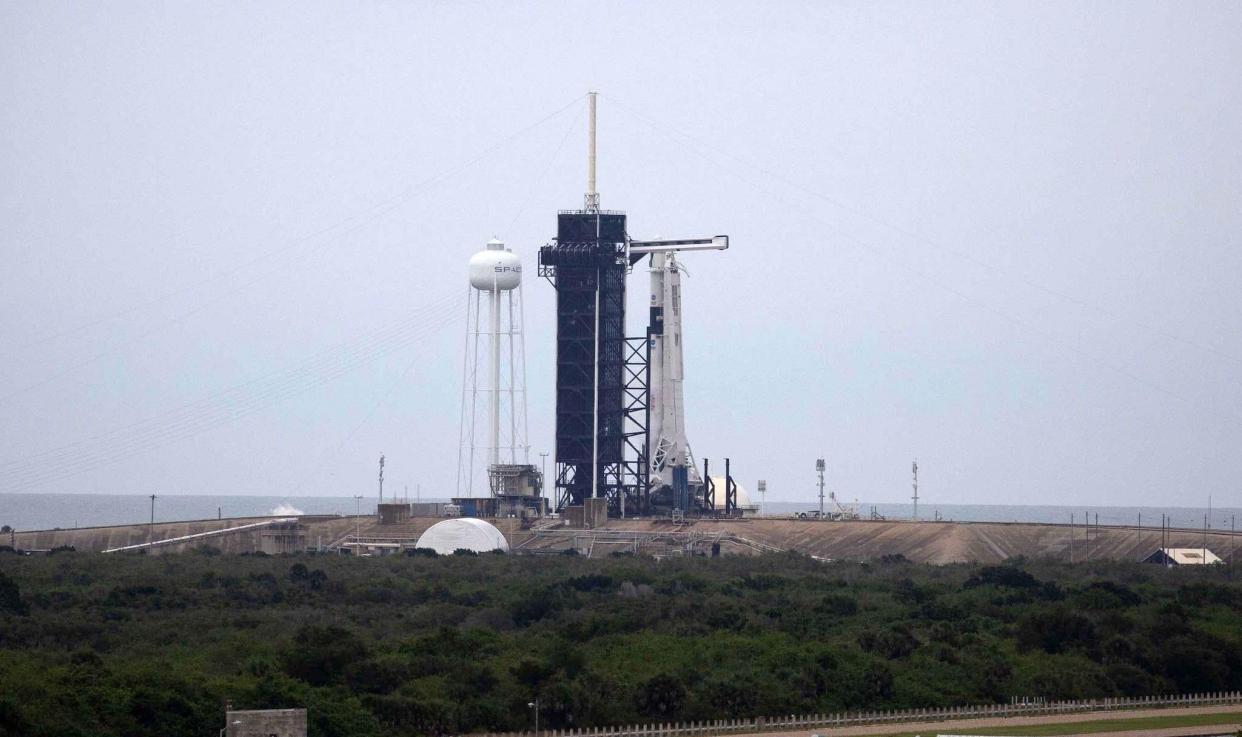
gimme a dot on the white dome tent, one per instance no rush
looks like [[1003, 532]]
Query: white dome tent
[[463, 533], [743, 497]]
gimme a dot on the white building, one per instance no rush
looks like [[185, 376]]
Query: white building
[[1183, 557], [463, 533]]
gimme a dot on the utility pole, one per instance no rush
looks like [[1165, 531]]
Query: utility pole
[[543, 470], [1071, 532], [916, 490], [819, 467], [357, 520], [1086, 537], [1165, 534], [151, 529], [381, 479]]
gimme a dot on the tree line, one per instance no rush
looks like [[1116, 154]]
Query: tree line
[[415, 645]]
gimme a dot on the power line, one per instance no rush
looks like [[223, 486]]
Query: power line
[[670, 130], [361, 219], [539, 179], [222, 407], [901, 264]]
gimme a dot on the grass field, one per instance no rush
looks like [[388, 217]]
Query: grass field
[[1100, 726]]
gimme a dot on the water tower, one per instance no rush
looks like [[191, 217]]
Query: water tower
[[494, 475]]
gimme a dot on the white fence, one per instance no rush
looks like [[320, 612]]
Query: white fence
[[857, 718]]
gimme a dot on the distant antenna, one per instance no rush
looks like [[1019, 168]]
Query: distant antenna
[[381, 479], [592, 197], [819, 467], [916, 489]]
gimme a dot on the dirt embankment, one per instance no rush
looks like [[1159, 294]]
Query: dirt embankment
[[946, 542]]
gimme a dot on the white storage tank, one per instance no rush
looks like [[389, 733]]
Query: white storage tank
[[495, 268], [461, 533]]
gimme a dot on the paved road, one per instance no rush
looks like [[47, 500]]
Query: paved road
[[951, 726], [1174, 731]]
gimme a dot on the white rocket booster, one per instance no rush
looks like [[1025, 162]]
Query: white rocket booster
[[669, 447]]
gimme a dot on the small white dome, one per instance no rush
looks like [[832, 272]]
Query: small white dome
[[463, 533], [743, 497], [495, 268]]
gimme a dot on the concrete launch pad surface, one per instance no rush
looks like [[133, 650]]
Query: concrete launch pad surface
[[920, 542]]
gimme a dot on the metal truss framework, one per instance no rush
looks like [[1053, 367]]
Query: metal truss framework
[[601, 376]]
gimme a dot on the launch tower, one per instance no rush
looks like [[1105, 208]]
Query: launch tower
[[604, 400]]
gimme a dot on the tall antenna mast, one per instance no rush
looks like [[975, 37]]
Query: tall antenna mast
[[916, 490], [381, 479], [592, 197]]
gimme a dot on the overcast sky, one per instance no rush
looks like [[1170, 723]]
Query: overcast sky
[[1002, 238]]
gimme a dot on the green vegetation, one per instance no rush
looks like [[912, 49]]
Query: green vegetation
[[153, 645]]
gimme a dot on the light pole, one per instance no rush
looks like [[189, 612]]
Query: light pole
[[357, 520], [151, 529], [535, 705]]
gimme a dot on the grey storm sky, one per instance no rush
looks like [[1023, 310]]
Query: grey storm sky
[[1002, 238]]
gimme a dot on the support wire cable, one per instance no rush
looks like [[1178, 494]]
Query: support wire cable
[[1058, 294], [932, 279], [368, 215], [204, 415]]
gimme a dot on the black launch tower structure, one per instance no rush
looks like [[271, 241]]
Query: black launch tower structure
[[602, 376]]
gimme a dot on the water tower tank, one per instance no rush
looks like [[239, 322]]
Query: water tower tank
[[495, 268]]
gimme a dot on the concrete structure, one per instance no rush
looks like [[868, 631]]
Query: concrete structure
[[592, 514], [266, 723], [428, 509], [463, 533], [393, 514], [283, 536], [1183, 557]]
